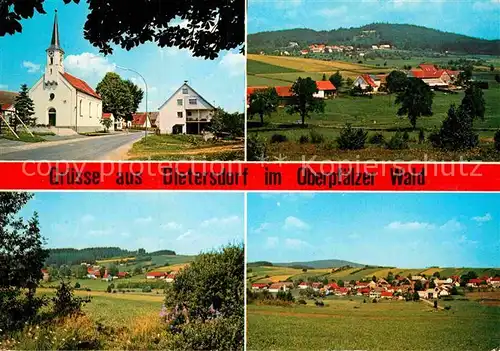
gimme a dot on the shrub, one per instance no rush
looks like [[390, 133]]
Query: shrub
[[304, 139], [77, 285], [319, 303], [108, 289], [406, 136], [397, 142], [256, 149], [278, 138], [447, 308], [377, 139], [146, 289], [301, 302], [456, 132], [374, 301], [316, 137], [496, 139], [421, 136], [351, 138], [112, 285], [64, 303]]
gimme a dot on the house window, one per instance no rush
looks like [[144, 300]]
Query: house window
[[189, 113], [81, 114], [192, 101], [179, 102], [179, 114], [90, 110], [184, 90]]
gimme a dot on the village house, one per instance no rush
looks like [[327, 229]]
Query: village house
[[169, 278], [62, 100], [281, 286], [316, 286], [259, 286], [46, 275], [317, 48], [93, 273], [156, 275], [304, 52], [342, 291], [474, 283], [141, 120], [433, 76], [185, 112], [325, 88], [386, 295], [365, 81], [7, 110], [304, 285]]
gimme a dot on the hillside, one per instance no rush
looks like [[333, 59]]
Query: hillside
[[320, 264], [402, 36]]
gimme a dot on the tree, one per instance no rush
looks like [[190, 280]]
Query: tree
[[465, 75], [211, 27], [324, 77], [102, 271], [137, 270], [22, 257], [396, 81], [116, 96], [230, 123], [492, 68], [64, 271], [473, 102], [303, 101], [113, 270], [497, 78], [137, 95], [336, 79], [436, 274], [340, 283], [106, 123], [415, 100], [141, 252], [24, 107], [456, 132], [349, 81], [374, 279], [80, 271], [418, 286], [263, 102]]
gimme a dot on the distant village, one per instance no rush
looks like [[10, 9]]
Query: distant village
[[426, 288]]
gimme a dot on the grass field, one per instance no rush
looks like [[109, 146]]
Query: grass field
[[350, 324], [175, 147], [375, 114]]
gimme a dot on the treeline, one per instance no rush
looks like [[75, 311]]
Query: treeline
[[260, 264], [70, 256], [162, 252], [402, 36]]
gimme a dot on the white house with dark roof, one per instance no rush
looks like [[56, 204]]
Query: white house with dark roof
[[61, 99], [185, 112]]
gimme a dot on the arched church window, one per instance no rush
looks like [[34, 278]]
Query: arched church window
[[52, 96]]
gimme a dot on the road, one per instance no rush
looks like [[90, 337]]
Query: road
[[90, 149]]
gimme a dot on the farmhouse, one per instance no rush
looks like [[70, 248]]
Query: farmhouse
[[185, 112], [61, 99], [7, 100], [304, 285], [433, 76], [169, 278], [93, 273], [140, 120], [283, 286], [325, 89], [368, 81], [259, 286], [156, 275]]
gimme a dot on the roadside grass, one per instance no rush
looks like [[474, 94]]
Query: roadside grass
[[23, 136], [348, 323], [185, 147]]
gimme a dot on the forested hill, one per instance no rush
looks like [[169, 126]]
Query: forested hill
[[71, 256], [402, 36]]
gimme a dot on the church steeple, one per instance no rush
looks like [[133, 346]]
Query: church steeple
[[54, 42]]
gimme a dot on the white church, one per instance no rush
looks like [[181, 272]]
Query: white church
[[62, 100]]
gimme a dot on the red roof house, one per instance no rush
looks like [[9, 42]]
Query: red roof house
[[155, 275], [475, 281], [258, 286], [386, 294], [325, 85]]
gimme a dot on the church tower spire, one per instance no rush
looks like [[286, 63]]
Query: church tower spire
[[55, 56], [54, 43]]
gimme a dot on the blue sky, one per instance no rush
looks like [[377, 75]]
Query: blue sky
[[478, 18], [185, 222], [22, 60], [412, 230]]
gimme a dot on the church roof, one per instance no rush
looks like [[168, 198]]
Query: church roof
[[54, 42], [80, 85]]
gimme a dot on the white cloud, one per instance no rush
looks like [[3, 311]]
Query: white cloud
[[32, 67], [397, 225], [216, 221], [87, 218], [278, 204], [292, 222], [464, 240], [481, 219], [143, 220], [262, 227], [185, 235], [296, 244], [271, 242], [452, 226], [87, 65], [171, 226], [233, 63], [333, 11]]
